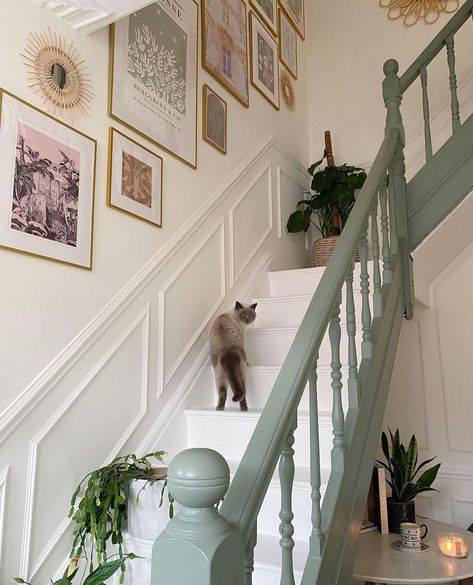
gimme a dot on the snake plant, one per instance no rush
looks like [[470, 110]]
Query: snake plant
[[403, 468]]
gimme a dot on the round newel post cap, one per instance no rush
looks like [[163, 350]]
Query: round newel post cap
[[198, 478], [391, 66]]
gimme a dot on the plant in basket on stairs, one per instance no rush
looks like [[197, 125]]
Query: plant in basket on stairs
[[227, 351], [405, 482], [332, 199]]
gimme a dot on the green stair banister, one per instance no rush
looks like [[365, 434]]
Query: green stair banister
[[209, 547]]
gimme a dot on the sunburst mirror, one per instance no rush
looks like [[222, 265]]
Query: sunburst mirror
[[57, 73], [411, 11]]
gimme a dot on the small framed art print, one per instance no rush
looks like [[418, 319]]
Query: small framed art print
[[267, 10], [295, 11], [214, 123], [135, 179], [287, 44], [47, 181], [264, 61]]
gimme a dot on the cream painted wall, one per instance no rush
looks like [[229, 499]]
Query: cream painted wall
[[97, 362], [348, 45]]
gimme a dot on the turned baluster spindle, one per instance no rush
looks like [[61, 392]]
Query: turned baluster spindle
[[338, 418], [393, 232], [316, 539], [377, 295], [286, 528], [249, 559], [426, 111], [454, 104], [352, 383], [366, 343], [386, 249]]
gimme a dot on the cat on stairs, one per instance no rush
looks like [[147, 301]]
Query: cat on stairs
[[227, 351]]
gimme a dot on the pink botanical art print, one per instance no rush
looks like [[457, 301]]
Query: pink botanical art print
[[136, 179], [46, 187]]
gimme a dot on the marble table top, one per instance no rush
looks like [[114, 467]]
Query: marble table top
[[377, 561]]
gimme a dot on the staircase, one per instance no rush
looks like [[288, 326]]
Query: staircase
[[300, 460]]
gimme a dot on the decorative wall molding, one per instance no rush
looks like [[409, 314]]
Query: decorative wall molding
[[25, 562], [234, 273], [3, 500], [88, 16], [281, 227], [164, 377], [53, 372]]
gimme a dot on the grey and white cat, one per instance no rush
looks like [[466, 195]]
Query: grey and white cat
[[227, 350]]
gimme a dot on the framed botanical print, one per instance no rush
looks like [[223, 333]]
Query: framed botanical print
[[264, 62], [287, 44], [47, 181], [225, 45], [153, 75], [214, 123], [267, 11], [295, 11], [135, 179]]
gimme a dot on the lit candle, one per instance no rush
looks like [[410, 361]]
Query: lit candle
[[452, 545]]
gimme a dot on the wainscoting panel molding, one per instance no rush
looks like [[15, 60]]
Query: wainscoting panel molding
[[122, 383]]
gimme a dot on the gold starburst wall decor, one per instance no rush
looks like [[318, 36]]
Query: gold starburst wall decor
[[57, 73], [287, 90], [411, 11]]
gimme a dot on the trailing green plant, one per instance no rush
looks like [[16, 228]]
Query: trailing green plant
[[403, 468], [98, 511], [332, 199]]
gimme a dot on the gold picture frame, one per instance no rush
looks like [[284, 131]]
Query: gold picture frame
[[283, 21], [208, 134], [211, 60], [129, 203], [289, 7], [46, 215], [271, 25], [161, 122], [263, 79]]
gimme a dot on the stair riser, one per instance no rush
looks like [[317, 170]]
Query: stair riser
[[260, 382], [230, 433], [269, 347], [289, 312], [304, 282]]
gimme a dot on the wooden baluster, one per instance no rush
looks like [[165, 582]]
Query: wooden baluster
[[426, 110], [366, 344], [353, 395], [377, 296], [316, 540], [386, 250], [249, 560], [338, 418], [455, 106], [286, 528], [393, 234]]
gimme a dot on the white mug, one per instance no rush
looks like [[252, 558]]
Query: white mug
[[411, 535]]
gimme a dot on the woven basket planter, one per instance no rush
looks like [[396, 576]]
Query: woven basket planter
[[322, 250]]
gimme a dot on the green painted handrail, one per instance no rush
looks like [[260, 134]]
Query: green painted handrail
[[437, 44], [252, 478]]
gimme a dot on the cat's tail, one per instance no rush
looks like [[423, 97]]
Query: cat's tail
[[231, 363]]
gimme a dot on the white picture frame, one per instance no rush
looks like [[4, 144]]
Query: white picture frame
[[264, 61]]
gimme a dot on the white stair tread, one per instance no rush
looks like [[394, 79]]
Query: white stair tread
[[250, 414]]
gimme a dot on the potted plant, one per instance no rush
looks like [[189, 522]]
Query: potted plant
[[405, 479], [99, 510], [332, 199]]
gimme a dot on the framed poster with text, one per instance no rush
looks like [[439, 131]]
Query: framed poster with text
[[153, 75]]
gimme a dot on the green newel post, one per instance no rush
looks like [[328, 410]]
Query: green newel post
[[397, 176], [198, 546]]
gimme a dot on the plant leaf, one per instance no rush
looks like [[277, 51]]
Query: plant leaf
[[428, 477], [104, 572]]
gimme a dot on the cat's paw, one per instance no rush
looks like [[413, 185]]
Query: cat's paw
[[218, 407]]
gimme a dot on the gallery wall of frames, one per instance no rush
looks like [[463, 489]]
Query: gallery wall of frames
[[49, 167]]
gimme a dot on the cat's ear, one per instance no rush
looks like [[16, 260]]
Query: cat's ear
[[254, 306], [238, 306]]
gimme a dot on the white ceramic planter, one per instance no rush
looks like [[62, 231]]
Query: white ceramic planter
[[146, 520]]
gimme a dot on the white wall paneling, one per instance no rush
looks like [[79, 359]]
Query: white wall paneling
[[3, 500], [187, 301], [289, 190], [431, 390], [252, 209]]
